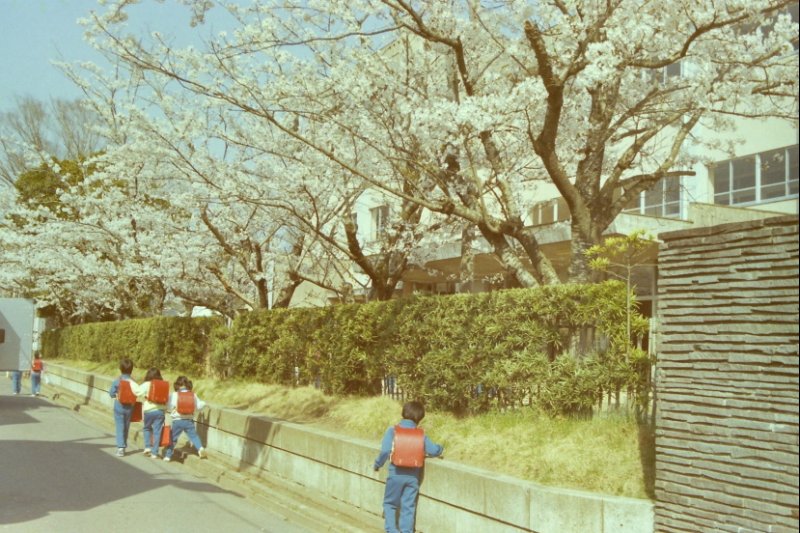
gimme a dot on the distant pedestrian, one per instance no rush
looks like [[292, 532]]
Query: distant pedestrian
[[183, 406], [122, 390], [406, 446], [154, 395], [16, 382], [37, 368]]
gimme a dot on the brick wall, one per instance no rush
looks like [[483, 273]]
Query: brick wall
[[727, 379]]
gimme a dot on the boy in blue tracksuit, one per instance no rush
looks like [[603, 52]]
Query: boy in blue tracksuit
[[402, 483], [16, 381], [37, 368], [122, 412]]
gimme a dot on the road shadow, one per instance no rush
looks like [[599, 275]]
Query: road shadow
[[15, 409], [44, 473]]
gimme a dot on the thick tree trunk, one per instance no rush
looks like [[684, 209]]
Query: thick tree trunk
[[579, 271], [382, 290], [263, 294], [284, 296], [466, 268], [508, 257], [542, 267]]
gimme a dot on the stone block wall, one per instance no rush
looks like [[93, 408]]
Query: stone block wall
[[727, 378]]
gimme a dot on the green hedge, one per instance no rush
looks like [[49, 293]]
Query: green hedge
[[175, 343], [462, 353]]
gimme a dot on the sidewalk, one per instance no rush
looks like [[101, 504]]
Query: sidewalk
[[297, 503]]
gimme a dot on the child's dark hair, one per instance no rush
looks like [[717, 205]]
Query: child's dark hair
[[182, 383], [414, 411], [152, 373], [126, 366]]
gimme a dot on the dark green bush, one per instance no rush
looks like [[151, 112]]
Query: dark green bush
[[175, 343]]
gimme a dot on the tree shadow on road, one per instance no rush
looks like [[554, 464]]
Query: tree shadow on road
[[14, 409], [40, 477]]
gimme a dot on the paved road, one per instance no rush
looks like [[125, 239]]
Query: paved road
[[58, 473]]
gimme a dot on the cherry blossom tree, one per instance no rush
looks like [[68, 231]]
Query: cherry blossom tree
[[475, 109], [84, 262], [234, 167], [233, 158]]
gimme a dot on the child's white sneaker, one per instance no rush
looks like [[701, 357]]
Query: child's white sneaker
[[167, 459], [147, 453], [120, 452], [202, 453]]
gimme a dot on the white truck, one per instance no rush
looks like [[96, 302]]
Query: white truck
[[19, 333]]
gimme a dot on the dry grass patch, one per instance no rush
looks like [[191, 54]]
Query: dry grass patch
[[302, 404], [366, 418]]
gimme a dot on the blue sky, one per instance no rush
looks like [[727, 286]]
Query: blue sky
[[35, 32], [32, 33]]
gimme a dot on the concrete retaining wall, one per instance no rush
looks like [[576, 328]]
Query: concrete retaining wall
[[454, 498]]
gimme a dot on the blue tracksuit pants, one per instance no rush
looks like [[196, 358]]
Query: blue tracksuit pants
[[401, 494]]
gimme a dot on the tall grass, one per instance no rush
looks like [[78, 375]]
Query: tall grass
[[609, 453]]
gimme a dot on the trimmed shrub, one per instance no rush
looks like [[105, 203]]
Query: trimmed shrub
[[176, 343], [556, 347]]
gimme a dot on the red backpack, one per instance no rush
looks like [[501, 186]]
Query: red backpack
[[37, 365], [408, 447], [136, 413], [125, 394], [158, 391], [166, 437], [185, 402]]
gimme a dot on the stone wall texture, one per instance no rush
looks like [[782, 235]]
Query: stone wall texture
[[727, 378]]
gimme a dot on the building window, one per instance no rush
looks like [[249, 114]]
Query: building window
[[664, 74], [447, 287], [379, 216], [555, 210], [662, 200], [673, 70], [756, 178]]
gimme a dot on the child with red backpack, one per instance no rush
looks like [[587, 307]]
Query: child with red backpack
[[154, 395], [37, 367], [123, 391], [183, 405], [407, 446]]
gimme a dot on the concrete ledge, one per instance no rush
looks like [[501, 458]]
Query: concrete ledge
[[454, 497]]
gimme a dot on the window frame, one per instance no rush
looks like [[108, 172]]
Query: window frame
[[549, 212], [661, 207], [379, 216], [740, 196]]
